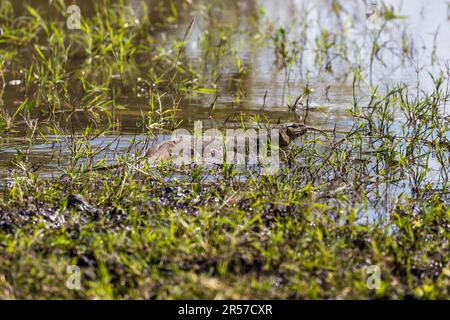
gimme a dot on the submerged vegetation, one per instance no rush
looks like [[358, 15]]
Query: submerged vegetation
[[78, 107]]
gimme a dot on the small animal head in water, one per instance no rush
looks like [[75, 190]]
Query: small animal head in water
[[290, 131]]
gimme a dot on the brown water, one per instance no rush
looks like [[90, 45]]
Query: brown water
[[427, 23]]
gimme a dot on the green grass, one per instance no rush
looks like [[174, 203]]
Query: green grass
[[270, 237]]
